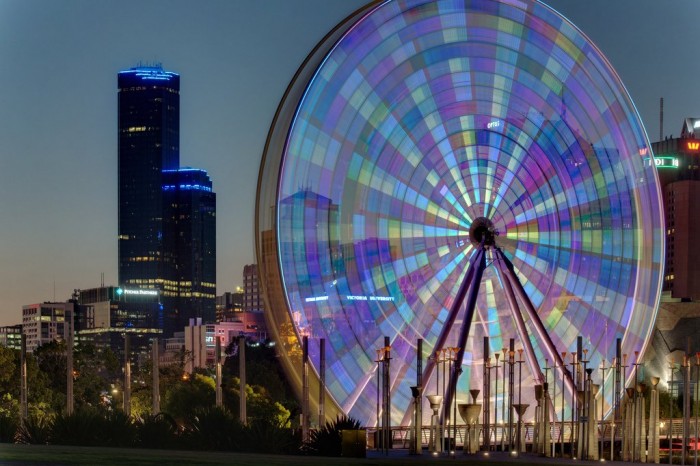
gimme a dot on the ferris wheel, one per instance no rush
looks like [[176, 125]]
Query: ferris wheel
[[430, 156]]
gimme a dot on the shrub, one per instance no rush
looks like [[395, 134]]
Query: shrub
[[327, 441], [159, 431], [214, 429], [84, 427], [271, 436], [34, 430]]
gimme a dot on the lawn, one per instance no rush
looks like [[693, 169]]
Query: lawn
[[57, 455]]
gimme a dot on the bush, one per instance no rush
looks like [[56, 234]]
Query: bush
[[214, 429], [159, 431], [119, 430], [271, 436], [34, 430], [83, 427], [327, 441]]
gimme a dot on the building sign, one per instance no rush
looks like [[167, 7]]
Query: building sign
[[138, 292], [693, 145], [665, 161]]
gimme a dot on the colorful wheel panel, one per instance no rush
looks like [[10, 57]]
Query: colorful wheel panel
[[411, 120]]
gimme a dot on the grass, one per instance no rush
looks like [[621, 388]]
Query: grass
[[58, 455]]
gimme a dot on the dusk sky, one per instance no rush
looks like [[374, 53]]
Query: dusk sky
[[58, 112]]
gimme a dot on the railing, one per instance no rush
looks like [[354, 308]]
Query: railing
[[400, 435]]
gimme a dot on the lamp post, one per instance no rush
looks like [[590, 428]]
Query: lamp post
[[615, 373], [511, 370], [697, 392], [545, 408], [495, 406], [602, 406], [669, 432], [520, 392], [456, 371], [564, 370], [624, 389], [379, 359], [503, 402], [574, 365]]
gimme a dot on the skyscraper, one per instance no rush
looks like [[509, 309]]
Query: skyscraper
[[166, 214], [189, 238]]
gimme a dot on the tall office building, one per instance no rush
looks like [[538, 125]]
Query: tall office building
[[678, 164], [252, 293], [189, 239], [166, 225]]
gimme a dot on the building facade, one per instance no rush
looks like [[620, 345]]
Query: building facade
[[167, 215], [112, 312], [228, 305], [189, 239], [252, 294], [11, 336], [678, 165], [45, 322]]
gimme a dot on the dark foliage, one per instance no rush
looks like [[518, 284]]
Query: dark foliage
[[213, 429], [268, 436], [83, 427], [159, 431], [327, 441], [35, 430]]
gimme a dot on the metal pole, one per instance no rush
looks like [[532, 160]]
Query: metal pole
[[563, 381], [23, 380], [70, 399], [495, 405], [686, 406], [487, 396], [219, 394], [616, 365], [520, 392], [602, 406], [697, 392], [669, 433], [419, 388], [155, 373], [511, 388], [127, 376], [305, 422], [380, 352], [387, 394], [322, 384], [242, 388], [503, 403]]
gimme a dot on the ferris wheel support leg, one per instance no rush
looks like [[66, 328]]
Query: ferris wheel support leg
[[519, 322], [451, 316], [480, 261], [535, 319]]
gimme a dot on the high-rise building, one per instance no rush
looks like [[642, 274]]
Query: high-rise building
[[111, 312], [678, 164], [189, 240], [45, 322], [228, 305], [167, 214], [149, 142], [252, 293]]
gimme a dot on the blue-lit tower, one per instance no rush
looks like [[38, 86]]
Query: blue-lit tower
[[149, 142], [149, 183], [190, 247]]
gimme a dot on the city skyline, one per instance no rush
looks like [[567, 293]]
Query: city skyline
[[235, 59]]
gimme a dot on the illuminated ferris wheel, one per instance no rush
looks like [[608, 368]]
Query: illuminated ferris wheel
[[436, 166]]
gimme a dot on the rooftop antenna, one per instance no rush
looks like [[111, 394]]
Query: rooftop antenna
[[661, 119]]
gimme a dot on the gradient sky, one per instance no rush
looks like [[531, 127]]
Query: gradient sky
[[58, 112]]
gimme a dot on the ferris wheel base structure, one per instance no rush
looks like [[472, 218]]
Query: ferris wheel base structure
[[448, 171]]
